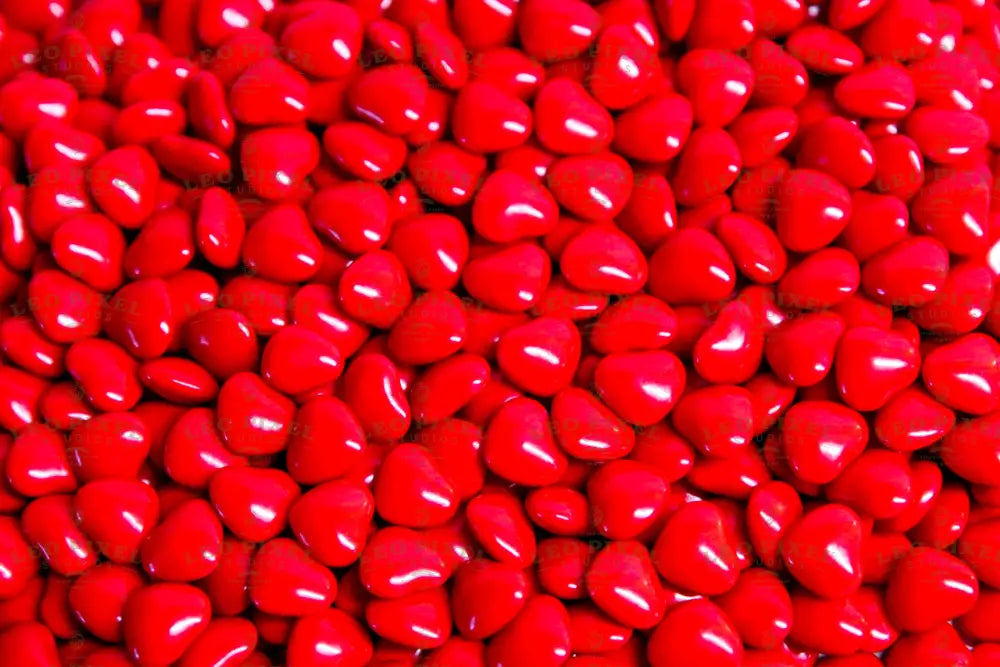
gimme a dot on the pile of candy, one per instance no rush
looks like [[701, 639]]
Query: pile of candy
[[499, 333]]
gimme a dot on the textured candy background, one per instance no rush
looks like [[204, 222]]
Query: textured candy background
[[499, 333]]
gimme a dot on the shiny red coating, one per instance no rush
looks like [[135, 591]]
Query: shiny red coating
[[498, 333]]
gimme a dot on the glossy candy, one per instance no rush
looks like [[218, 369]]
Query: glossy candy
[[812, 209], [286, 581], [951, 591], [693, 551], [194, 524], [822, 551], [497, 333], [161, 621], [693, 632], [542, 625]]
